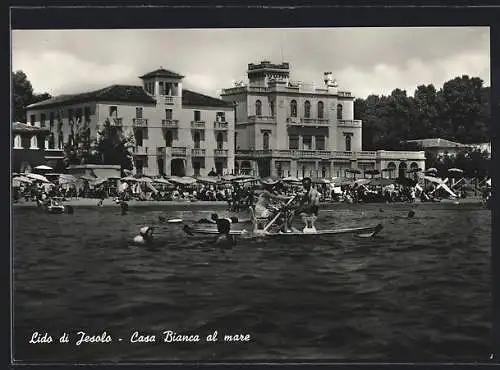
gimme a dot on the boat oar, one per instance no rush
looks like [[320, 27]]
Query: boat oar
[[279, 214]]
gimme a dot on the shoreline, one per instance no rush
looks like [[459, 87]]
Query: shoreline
[[92, 202]]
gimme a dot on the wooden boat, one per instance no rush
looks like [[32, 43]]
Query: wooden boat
[[365, 232]]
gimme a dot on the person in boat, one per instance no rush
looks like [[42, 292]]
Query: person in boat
[[308, 206], [263, 207]]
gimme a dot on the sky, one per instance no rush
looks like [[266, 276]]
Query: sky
[[363, 60]]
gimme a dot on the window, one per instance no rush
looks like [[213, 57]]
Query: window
[[265, 141], [197, 139], [87, 113], [220, 117], [220, 140], [168, 114], [71, 114], [293, 108], [51, 120], [258, 108], [113, 111], [219, 168], [339, 111], [293, 142], [168, 139], [348, 143], [320, 143], [196, 168], [52, 143], [17, 142], [42, 120], [271, 107], [307, 109], [323, 172], [235, 141], [34, 142], [162, 88], [139, 137], [138, 112], [307, 142], [161, 166], [320, 109], [197, 115], [32, 119]]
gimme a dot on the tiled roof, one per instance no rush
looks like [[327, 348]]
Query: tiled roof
[[196, 99], [161, 73], [118, 93], [436, 143], [23, 127]]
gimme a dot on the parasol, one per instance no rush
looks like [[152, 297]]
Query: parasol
[[37, 177], [291, 179], [43, 167], [128, 178]]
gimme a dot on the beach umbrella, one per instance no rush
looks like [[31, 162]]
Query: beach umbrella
[[98, 181], [37, 177], [15, 174], [67, 179], [128, 178], [455, 170], [43, 168], [24, 179], [291, 179], [320, 180], [161, 181], [431, 170], [381, 182], [87, 177], [362, 181], [210, 180], [144, 179], [372, 172]]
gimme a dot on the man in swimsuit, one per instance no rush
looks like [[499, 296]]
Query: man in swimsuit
[[263, 207], [309, 204]]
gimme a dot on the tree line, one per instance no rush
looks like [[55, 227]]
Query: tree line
[[460, 111]]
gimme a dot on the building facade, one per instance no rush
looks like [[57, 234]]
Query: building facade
[[176, 131], [294, 129], [28, 149]]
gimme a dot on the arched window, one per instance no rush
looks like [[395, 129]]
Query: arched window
[[52, 141], [220, 140], [235, 141], [293, 108], [391, 167], [303, 171], [402, 169], [34, 142], [17, 142], [320, 109], [339, 111], [307, 109], [258, 108], [168, 139], [265, 141], [348, 143], [271, 107], [197, 139]]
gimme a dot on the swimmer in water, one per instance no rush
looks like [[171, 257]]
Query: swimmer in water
[[145, 236], [224, 229]]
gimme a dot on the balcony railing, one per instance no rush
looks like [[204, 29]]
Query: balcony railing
[[170, 123], [178, 151], [197, 152], [140, 150], [198, 124], [116, 121], [349, 122], [221, 125], [141, 122], [262, 119], [168, 99], [326, 154], [344, 93], [221, 152]]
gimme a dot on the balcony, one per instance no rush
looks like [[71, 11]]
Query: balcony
[[140, 150], [221, 126], [140, 122], [314, 121], [200, 125], [349, 122], [168, 100], [178, 151], [197, 152], [170, 123], [262, 119], [116, 121], [345, 94], [221, 152]]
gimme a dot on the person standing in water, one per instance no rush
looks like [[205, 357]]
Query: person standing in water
[[309, 203]]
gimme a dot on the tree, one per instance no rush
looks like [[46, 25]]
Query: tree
[[23, 95]]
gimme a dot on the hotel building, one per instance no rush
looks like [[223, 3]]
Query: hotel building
[[294, 129], [177, 131]]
